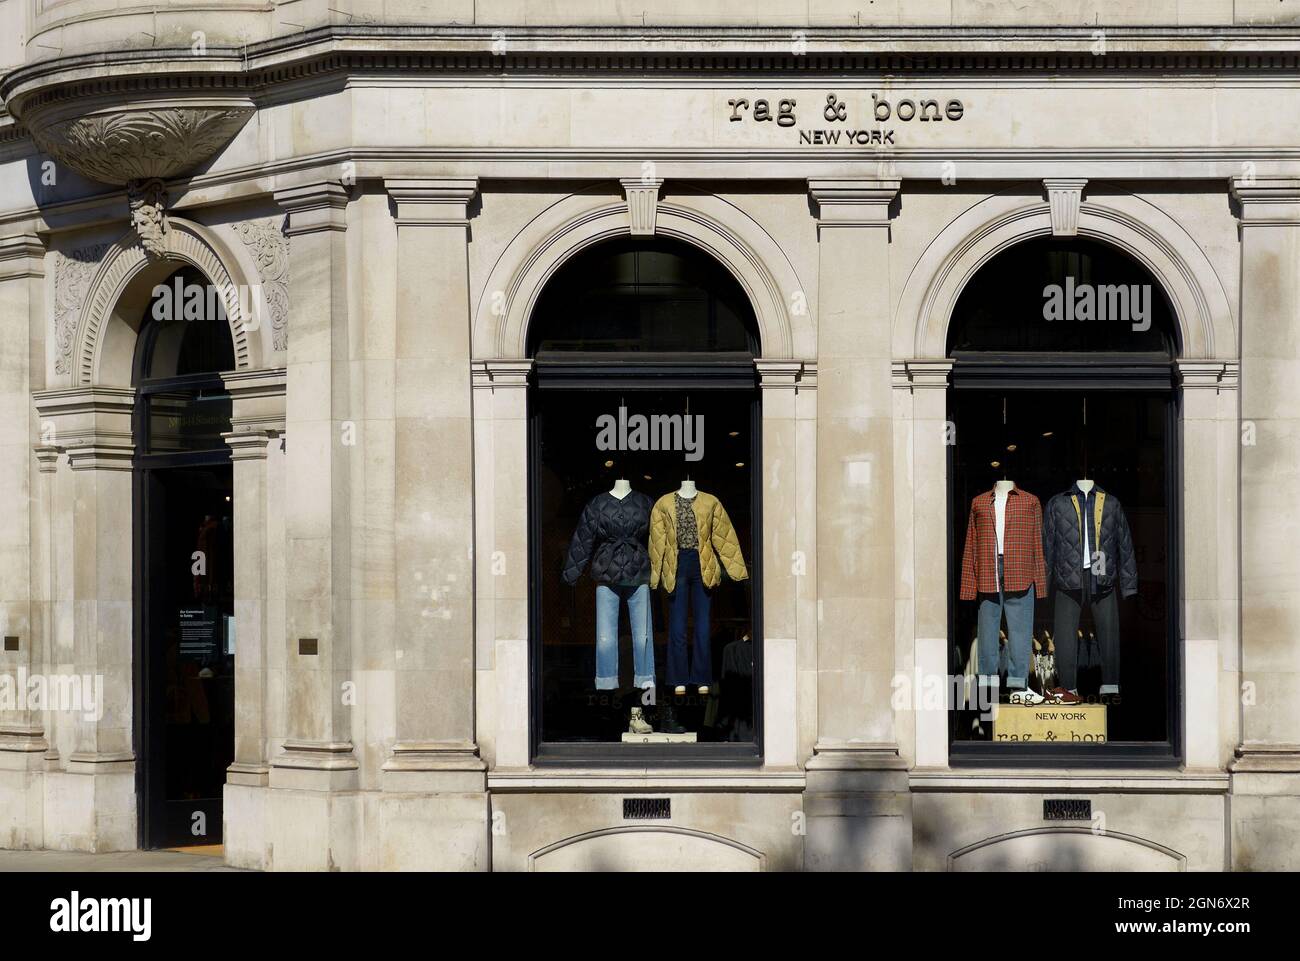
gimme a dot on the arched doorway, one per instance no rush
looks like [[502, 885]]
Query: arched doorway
[[643, 380], [184, 563], [1063, 371]]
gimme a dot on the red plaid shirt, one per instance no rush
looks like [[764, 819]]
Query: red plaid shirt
[[1022, 546]]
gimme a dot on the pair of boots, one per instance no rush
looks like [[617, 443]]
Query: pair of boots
[[637, 724]]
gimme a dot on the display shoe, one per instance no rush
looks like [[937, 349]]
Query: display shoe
[[1059, 695], [1026, 696], [668, 722], [637, 724], [704, 690]]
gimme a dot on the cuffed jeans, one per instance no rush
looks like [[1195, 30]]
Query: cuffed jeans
[[1019, 609], [689, 593], [608, 597], [1065, 622]]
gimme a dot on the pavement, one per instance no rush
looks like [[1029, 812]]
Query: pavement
[[196, 859]]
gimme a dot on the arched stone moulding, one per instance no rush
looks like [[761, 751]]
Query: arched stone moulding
[[1005, 851], [581, 220], [123, 263], [1206, 326], [638, 845]]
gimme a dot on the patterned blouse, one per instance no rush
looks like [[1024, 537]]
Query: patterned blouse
[[688, 534]]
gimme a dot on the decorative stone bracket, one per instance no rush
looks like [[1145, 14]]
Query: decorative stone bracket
[[642, 203], [1064, 197]]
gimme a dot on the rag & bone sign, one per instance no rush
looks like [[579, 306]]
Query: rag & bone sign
[[847, 123]]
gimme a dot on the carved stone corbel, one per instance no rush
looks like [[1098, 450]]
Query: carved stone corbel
[[148, 200]]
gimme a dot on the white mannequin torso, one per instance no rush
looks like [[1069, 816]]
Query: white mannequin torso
[[1085, 486], [621, 488], [1001, 491], [687, 490]]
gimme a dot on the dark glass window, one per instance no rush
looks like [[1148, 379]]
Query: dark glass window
[[642, 295], [183, 345], [1041, 403], [644, 380], [1102, 301]]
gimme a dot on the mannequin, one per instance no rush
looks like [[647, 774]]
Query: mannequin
[[611, 537], [1002, 569], [692, 542], [1091, 561]]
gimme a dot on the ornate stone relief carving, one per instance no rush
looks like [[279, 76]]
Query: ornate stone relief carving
[[147, 198], [125, 144], [269, 246], [72, 276]]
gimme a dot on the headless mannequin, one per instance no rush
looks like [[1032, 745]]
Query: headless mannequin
[[687, 490], [621, 488], [1085, 486]]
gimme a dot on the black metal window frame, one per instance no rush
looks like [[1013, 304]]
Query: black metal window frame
[[1131, 373], [695, 372]]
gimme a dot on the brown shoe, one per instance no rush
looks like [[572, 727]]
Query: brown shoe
[[1061, 696]]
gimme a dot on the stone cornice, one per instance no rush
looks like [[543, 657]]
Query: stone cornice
[[314, 207], [432, 203], [921, 374], [1267, 201], [853, 203], [493, 374]]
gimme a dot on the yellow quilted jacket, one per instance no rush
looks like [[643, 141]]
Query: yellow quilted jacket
[[717, 541]]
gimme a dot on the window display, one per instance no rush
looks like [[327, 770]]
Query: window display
[[644, 417], [1063, 467]]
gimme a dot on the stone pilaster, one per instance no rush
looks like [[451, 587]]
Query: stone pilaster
[[1266, 778], [22, 608], [91, 640], [856, 778], [921, 496], [318, 750], [435, 753]]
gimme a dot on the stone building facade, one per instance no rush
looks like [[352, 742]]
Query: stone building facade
[[385, 198]]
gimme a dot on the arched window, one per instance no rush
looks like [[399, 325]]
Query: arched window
[[1063, 295], [639, 296], [1063, 373], [644, 388]]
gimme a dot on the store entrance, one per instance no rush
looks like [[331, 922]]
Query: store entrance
[[189, 640], [185, 638]]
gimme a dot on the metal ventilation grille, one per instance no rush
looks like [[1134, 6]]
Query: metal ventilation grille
[[647, 808], [1066, 809]]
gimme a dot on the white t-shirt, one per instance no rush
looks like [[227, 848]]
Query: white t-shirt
[[1000, 515]]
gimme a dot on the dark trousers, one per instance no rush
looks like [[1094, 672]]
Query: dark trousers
[[689, 593], [1065, 626]]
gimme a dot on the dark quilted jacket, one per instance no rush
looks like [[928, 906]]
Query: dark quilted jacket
[[1063, 544], [614, 536]]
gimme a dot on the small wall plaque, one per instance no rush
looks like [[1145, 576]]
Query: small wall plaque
[[307, 645], [11, 642]]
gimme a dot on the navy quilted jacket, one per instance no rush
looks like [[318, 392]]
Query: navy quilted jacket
[[1063, 543], [614, 536]]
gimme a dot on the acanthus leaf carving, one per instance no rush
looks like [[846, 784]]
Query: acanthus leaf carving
[[269, 246], [72, 276], [122, 145]]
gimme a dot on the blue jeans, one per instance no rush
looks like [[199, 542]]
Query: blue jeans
[[643, 651], [1019, 609], [689, 593]]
